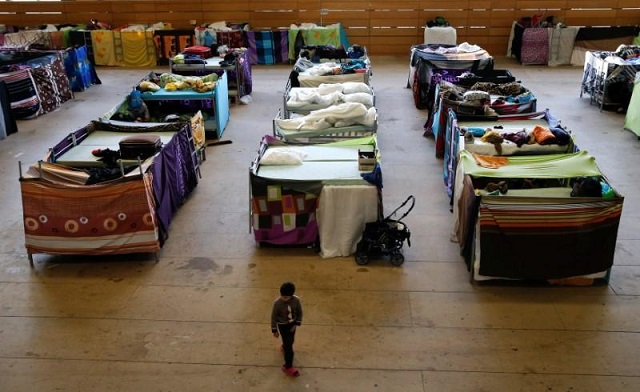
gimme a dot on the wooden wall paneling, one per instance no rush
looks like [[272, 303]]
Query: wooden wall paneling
[[257, 5], [502, 5], [179, 13], [628, 17], [209, 17], [311, 5], [629, 4], [83, 12], [540, 5], [31, 14], [348, 18], [577, 4], [456, 18], [600, 17], [390, 45], [268, 20], [133, 12], [439, 5], [358, 35], [381, 25], [222, 6]]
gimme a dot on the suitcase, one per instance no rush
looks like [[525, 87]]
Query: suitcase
[[203, 51], [143, 146]]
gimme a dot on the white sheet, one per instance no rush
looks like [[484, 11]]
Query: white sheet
[[342, 214], [329, 94], [309, 80], [340, 115]]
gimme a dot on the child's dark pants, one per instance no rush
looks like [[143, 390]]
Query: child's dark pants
[[287, 343]]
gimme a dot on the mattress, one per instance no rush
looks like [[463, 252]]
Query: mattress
[[285, 199], [453, 146], [509, 147], [337, 165], [81, 155]]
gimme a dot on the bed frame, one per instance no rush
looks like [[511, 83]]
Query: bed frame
[[327, 135], [538, 234], [128, 214], [297, 188], [303, 110]]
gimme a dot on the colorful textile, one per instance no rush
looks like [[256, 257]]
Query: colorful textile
[[578, 164], [329, 35], [137, 48], [206, 37], [267, 47], [260, 45], [25, 38], [25, 102], [233, 39], [169, 43], [79, 69], [104, 50], [51, 80], [579, 237], [119, 219], [281, 46], [281, 215], [8, 124], [535, 46]]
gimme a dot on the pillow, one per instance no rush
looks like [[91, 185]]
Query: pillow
[[328, 88], [475, 95], [370, 118], [363, 98], [543, 135], [355, 87], [282, 156]]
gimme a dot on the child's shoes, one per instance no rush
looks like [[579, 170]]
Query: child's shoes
[[292, 371]]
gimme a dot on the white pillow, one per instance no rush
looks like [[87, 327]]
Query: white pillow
[[282, 156], [355, 87], [363, 98], [328, 88], [370, 117]]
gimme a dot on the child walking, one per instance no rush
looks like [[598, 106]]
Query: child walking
[[286, 316]]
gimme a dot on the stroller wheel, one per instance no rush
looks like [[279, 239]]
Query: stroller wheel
[[396, 258], [362, 258]]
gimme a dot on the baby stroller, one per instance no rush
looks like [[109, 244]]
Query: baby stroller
[[385, 237]]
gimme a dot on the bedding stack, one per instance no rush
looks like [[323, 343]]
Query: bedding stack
[[316, 180], [513, 176], [86, 198]]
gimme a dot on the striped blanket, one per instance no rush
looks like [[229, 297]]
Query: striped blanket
[[547, 238], [25, 102], [120, 218]]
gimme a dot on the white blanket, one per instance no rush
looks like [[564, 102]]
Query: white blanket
[[342, 214], [341, 115], [329, 94]]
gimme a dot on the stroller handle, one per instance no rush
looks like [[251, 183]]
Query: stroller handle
[[409, 199]]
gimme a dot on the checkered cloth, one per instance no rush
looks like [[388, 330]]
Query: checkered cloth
[[267, 47]]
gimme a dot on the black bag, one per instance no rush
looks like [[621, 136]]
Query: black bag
[[143, 146]]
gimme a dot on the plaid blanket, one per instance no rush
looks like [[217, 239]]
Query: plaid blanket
[[267, 47]]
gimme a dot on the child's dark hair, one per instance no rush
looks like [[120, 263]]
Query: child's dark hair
[[287, 289]]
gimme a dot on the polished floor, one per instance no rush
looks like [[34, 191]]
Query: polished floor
[[198, 320]]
